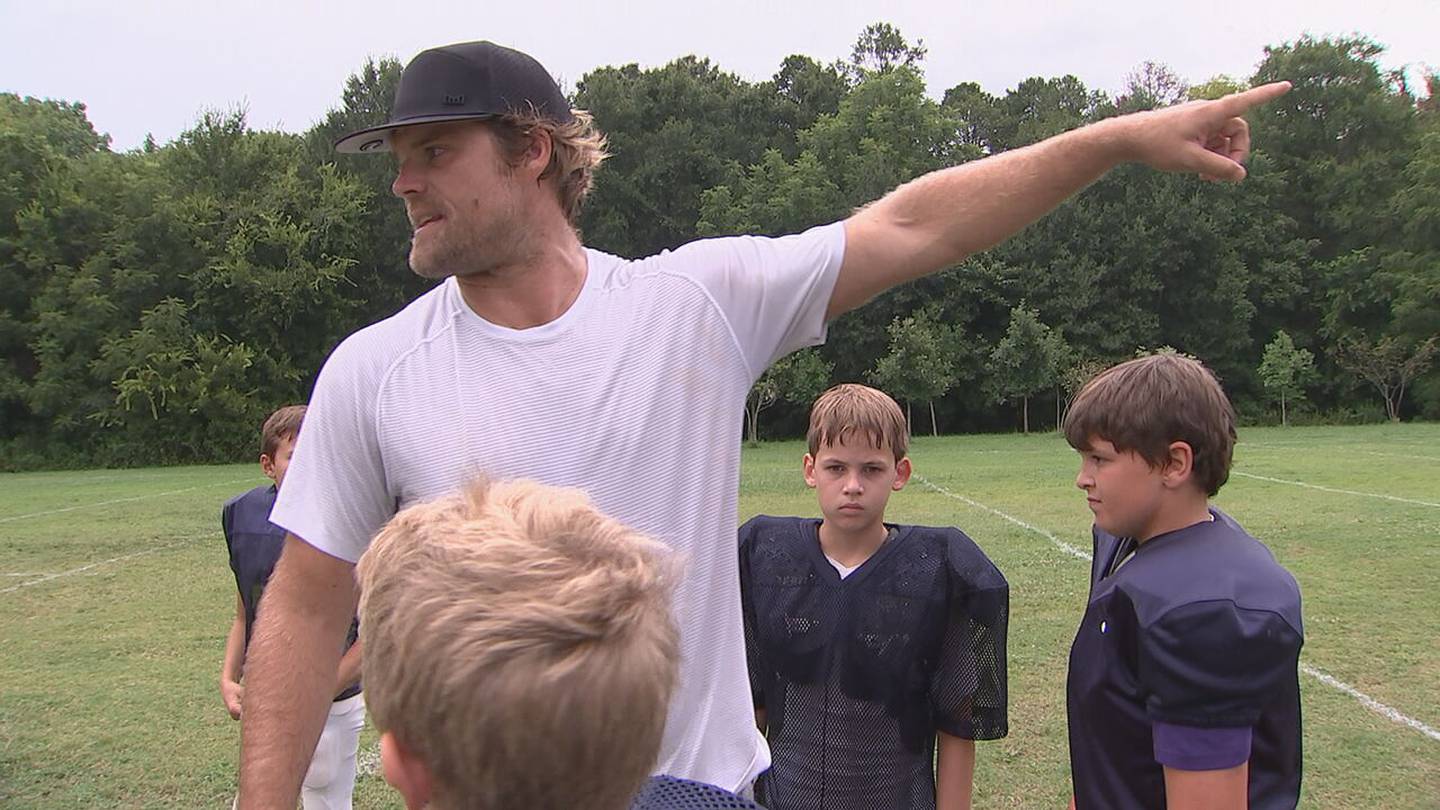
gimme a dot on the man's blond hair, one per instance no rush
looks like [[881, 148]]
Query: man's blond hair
[[577, 150], [848, 411], [520, 644]]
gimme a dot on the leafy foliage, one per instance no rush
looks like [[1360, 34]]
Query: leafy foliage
[[156, 303]]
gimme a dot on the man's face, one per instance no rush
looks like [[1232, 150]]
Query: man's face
[[1122, 489], [465, 204], [275, 466], [853, 481]]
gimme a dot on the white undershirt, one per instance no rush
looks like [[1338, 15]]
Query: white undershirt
[[844, 570]]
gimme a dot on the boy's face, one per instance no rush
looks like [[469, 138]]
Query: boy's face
[[274, 468], [854, 480], [1122, 489]]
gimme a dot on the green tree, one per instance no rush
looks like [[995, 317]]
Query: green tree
[[1285, 370], [1152, 85], [798, 378], [381, 260], [1389, 364], [920, 364], [881, 48], [1026, 361], [673, 132]]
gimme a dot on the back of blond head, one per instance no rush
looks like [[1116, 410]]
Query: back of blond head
[[521, 644], [849, 412]]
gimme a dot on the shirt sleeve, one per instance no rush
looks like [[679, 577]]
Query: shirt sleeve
[[1215, 664], [336, 495], [773, 292], [1188, 748], [969, 689]]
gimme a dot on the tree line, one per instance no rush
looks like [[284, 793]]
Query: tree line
[[156, 304]]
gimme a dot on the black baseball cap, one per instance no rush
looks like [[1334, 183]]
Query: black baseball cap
[[464, 81]]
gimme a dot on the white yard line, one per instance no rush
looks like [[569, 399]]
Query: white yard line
[[1388, 712], [43, 578], [1060, 544], [27, 574], [98, 504], [1370, 703], [1335, 490], [1340, 448]]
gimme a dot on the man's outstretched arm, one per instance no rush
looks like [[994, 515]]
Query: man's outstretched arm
[[938, 219], [290, 672]]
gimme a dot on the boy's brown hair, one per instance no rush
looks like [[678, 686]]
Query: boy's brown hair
[[849, 409], [279, 426], [520, 644], [1143, 405]]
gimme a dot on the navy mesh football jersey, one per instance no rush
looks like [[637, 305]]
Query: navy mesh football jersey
[[857, 674], [1196, 636], [255, 544], [670, 793]]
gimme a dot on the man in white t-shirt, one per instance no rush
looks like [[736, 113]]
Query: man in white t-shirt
[[537, 357]]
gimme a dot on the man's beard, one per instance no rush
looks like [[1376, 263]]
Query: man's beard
[[469, 252]]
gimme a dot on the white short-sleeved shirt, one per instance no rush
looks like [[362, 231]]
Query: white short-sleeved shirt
[[635, 394]]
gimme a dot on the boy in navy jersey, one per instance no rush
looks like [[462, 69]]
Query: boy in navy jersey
[[1182, 688], [254, 544], [870, 645]]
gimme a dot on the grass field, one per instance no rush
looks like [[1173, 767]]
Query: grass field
[[115, 598]]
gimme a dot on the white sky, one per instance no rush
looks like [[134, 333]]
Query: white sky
[[149, 66]]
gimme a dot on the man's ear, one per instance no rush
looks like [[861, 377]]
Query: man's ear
[[537, 155], [1179, 464], [405, 772], [902, 474]]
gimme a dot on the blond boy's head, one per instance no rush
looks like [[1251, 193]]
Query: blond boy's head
[[519, 650], [852, 413]]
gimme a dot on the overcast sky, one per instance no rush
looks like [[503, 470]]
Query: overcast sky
[[142, 66]]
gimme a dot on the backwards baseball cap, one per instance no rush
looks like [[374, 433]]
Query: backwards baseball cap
[[471, 80]]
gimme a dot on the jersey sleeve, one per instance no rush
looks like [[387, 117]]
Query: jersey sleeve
[[1214, 664], [773, 292], [227, 528], [336, 495], [970, 686]]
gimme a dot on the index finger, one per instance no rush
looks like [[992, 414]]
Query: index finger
[[1237, 104]]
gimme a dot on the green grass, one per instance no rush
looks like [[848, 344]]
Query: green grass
[[108, 690]]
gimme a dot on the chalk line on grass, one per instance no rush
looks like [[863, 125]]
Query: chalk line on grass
[[1060, 544], [1334, 489], [1344, 448], [101, 563], [1370, 703], [1388, 712], [98, 504]]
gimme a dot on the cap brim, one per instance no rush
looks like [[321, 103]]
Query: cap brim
[[377, 139]]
